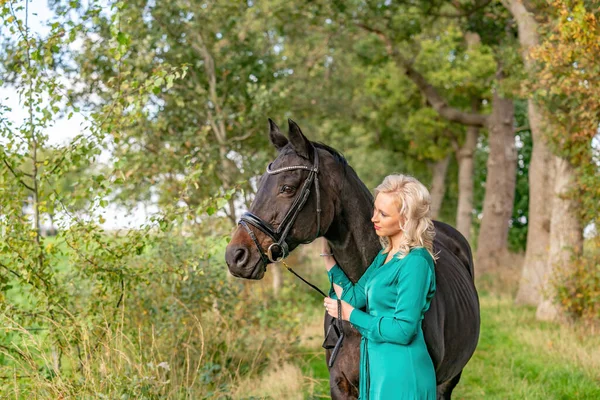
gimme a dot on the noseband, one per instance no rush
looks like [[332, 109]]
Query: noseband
[[280, 234]]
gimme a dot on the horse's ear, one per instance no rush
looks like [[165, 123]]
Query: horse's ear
[[277, 138], [299, 142]]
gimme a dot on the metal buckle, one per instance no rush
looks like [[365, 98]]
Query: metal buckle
[[270, 252]]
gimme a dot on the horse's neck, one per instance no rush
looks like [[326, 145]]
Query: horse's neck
[[351, 236]]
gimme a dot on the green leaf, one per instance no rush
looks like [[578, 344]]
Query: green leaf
[[123, 38]]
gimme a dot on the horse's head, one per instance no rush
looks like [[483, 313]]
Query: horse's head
[[294, 204]]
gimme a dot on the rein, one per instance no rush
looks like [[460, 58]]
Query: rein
[[336, 324]]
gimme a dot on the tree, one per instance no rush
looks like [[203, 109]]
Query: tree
[[209, 125], [556, 65], [500, 182], [541, 171], [567, 84]]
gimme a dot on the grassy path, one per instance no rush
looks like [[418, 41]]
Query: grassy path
[[517, 358]]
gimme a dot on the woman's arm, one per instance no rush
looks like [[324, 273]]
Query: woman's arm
[[329, 264], [413, 283], [341, 286], [352, 293]]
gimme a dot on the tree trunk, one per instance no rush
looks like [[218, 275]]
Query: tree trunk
[[438, 185], [465, 157], [499, 185], [541, 170], [566, 234], [541, 176]]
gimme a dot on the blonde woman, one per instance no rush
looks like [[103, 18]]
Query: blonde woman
[[396, 290]]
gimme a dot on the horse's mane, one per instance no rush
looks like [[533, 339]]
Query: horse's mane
[[336, 154]]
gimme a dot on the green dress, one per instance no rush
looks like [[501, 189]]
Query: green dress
[[394, 361]]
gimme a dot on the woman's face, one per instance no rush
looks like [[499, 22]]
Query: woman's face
[[386, 216]]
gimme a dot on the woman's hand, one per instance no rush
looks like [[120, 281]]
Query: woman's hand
[[331, 305], [326, 254]]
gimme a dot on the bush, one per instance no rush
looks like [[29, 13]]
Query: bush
[[184, 329], [577, 287]]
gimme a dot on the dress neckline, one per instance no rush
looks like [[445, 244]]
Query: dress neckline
[[394, 256]]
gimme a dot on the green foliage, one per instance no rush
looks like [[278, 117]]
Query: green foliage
[[517, 234], [462, 71], [212, 123], [577, 285], [62, 296], [566, 83], [181, 329]]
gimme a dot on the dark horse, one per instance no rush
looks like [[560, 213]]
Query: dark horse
[[310, 191]]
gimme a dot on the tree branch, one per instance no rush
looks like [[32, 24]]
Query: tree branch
[[11, 271], [437, 102], [464, 12], [242, 137], [17, 176], [521, 129], [209, 66]]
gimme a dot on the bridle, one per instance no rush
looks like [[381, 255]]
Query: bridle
[[279, 235]]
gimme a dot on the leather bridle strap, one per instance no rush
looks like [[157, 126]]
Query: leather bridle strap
[[338, 344], [279, 235], [288, 220], [336, 323], [255, 240], [304, 280]]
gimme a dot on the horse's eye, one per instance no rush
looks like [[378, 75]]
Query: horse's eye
[[287, 189]]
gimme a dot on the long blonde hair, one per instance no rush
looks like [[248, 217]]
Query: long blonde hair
[[414, 203]]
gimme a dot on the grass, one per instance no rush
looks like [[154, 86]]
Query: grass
[[517, 358], [312, 364], [521, 358]]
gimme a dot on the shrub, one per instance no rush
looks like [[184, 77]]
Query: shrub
[[577, 286], [184, 329]]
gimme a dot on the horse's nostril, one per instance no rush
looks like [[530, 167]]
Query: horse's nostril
[[240, 256]]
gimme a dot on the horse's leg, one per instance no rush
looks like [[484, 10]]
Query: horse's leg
[[444, 390], [341, 387], [343, 375]]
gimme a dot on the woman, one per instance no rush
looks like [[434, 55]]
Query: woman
[[396, 290]]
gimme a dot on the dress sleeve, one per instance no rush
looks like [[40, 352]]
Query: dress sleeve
[[352, 293], [401, 328]]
